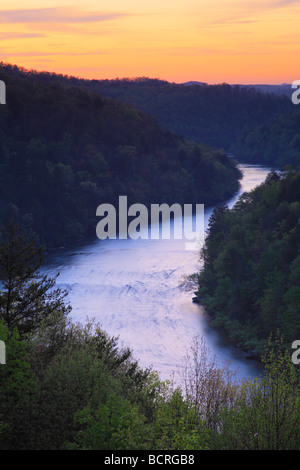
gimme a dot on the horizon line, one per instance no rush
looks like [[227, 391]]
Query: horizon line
[[133, 78]]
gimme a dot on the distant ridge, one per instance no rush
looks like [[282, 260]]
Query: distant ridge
[[216, 115], [65, 148], [283, 89], [194, 83]]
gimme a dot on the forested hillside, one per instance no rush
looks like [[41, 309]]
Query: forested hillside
[[250, 281], [275, 143], [216, 115], [66, 386], [65, 150], [283, 89]]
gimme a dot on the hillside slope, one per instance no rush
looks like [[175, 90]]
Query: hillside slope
[[250, 281], [275, 143], [216, 115], [65, 150]]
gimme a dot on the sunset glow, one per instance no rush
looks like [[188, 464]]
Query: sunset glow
[[205, 40]]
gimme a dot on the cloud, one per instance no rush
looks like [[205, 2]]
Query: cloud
[[283, 3], [15, 35], [55, 15], [230, 21], [265, 5], [39, 53], [250, 11]]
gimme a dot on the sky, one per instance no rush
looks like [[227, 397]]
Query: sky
[[212, 41]]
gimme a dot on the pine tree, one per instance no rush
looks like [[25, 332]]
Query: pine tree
[[27, 297]]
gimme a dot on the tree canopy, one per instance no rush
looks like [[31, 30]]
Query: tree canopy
[[250, 277], [65, 149], [275, 143]]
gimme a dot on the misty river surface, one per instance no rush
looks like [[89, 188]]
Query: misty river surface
[[132, 289]]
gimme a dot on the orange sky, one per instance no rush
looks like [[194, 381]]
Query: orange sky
[[213, 41]]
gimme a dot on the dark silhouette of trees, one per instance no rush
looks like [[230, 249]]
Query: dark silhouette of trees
[[27, 298], [65, 149]]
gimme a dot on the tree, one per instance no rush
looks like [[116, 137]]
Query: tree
[[177, 425], [267, 411], [16, 385], [208, 387], [249, 283], [27, 297]]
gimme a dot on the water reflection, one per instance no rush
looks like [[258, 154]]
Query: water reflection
[[132, 288]]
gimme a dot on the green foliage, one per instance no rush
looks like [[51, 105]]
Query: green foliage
[[53, 412], [27, 298], [68, 386], [250, 280], [65, 149], [206, 385], [16, 385], [118, 424], [114, 425], [177, 425], [267, 411], [81, 400], [275, 143], [214, 114], [56, 369]]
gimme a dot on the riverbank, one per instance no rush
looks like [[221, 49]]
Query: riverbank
[[132, 288], [250, 283]]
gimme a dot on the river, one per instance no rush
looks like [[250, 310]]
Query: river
[[132, 288]]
